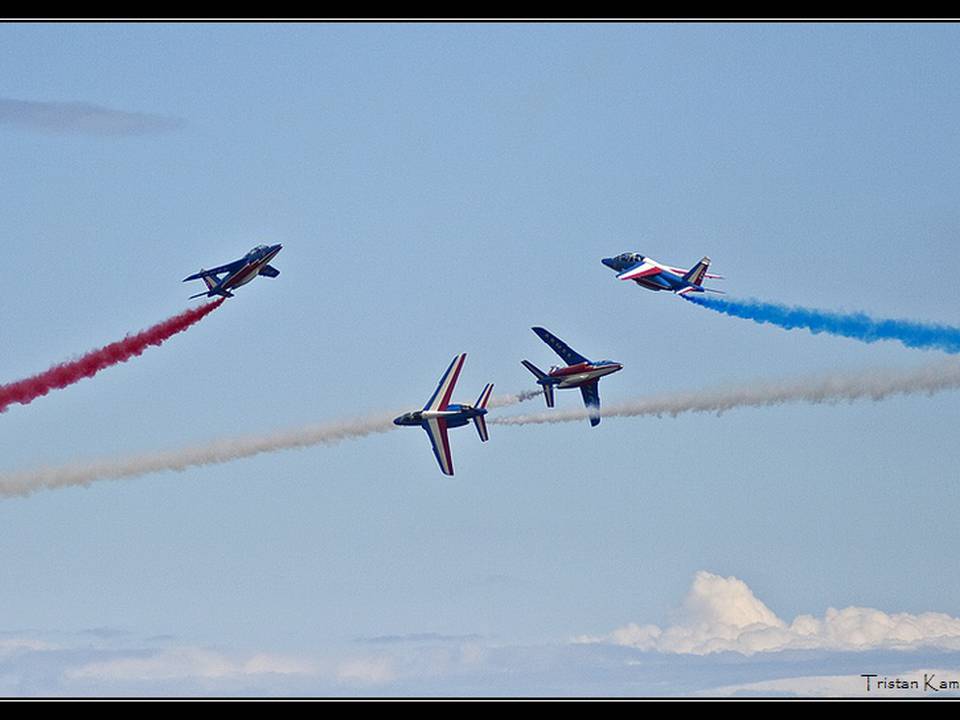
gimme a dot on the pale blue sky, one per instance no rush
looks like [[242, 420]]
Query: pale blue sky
[[439, 189]]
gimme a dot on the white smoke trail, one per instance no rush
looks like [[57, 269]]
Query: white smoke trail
[[875, 385], [506, 400], [217, 451]]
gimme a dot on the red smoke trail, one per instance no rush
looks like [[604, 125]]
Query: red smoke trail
[[60, 376]]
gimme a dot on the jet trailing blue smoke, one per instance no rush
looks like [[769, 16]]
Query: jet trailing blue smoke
[[858, 326]]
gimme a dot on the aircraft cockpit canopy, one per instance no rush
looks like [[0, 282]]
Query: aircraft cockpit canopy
[[630, 258]]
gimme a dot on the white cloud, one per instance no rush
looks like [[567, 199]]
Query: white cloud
[[367, 671], [722, 614], [813, 686], [11, 645], [75, 667], [909, 683], [186, 663]]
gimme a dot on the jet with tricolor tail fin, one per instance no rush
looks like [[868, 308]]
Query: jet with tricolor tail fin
[[648, 273], [221, 280], [579, 373], [439, 415]]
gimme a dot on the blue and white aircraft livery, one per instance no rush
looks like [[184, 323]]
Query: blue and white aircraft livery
[[438, 415], [579, 373], [652, 275], [239, 272]]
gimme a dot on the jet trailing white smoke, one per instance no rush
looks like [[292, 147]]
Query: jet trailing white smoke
[[216, 451], [876, 385], [872, 384]]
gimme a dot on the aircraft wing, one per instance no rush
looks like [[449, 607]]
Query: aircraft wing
[[437, 430], [441, 396], [591, 399], [228, 268], [568, 354], [269, 271], [644, 269]]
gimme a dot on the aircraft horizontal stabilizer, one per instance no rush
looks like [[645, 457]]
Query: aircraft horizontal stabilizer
[[538, 373], [541, 377], [481, 423], [211, 293]]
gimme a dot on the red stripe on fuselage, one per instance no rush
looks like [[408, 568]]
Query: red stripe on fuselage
[[582, 374], [645, 273], [572, 370]]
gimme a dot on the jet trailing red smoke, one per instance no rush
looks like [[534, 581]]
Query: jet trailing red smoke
[[64, 374]]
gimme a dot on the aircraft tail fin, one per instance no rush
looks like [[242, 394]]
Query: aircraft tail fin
[[548, 394], [484, 395], [694, 275], [541, 377], [479, 420]]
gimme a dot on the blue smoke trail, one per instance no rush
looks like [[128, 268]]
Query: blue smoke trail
[[858, 326]]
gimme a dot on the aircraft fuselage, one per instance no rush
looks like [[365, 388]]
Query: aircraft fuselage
[[573, 376], [652, 275], [224, 278], [252, 269], [454, 415]]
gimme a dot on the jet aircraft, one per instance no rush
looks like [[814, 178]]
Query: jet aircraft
[[579, 373], [239, 272], [438, 415], [652, 275]]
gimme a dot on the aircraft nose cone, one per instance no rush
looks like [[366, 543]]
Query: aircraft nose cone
[[609, 263]]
